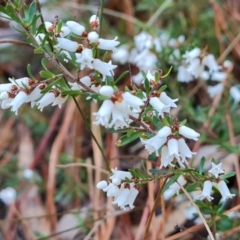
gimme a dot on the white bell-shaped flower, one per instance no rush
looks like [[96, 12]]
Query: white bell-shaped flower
[[28, 174], [184, 150], [121, 55], [122, 197], [3, 95], [133, 101], [216, 169], [112, 190], [195, 68], [66, 44], [224, 190], [109, 45], [47, 99], [190, 55], [120, 174], [106, 91], [131, 196], [166, 159], [153, 144], [65, 31], [8, 195], [218, 76], [93, 37], [206, 192], [116, 181], [159, 106], [94, 18], [17, 102], [59, 100], [165, 99], [183, 75], [104, 113], [102, 184], [164, 132], [103, 68], [210, 62], [75, 27], [188, 133], [173, 147], [214, 90]]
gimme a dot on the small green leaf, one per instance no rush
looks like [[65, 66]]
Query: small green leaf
[[157, 77], [152, 156], [192, 186], [228, 175], [124, 140], [59, 26], [30, 72], [102, 98], [162, 88], [138, 174], [46, 74], [146, 83], [158, 171], [201, 165], [73, 93], [183, 122], [38, 50], [170, 182], [32, 10], [165, 121], [44, 63], [121, 76]]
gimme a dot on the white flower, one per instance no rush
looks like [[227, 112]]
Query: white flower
[[66, 44], [210, 62], [109, 45], [206, 192], [59, 100], [227, 64], [75, 27], [8, 195], [173, 147], [216, 169], [195, 68], [17, 102], [93, 37], [165, 99], [223, 189], [121, 55], [3, 95], [126, 196], [47, 99], [166, 159], [94, 19], [188, 133], [28, 173], [154, 143], [159, 106], [102, 184], [172, 42], [103, 68], [235, 93], [164, 131], [112, 190], [106, 91], [190, 55], [120, 174], [184, 150], [35, 94], [133, 101], [174, 188], [214, 90], [138, 78], [218, 76], [64, 31], [183, 75], [120, 117], [104, 113], [143, 40]]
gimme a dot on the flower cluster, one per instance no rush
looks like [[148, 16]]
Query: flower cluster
[[8, 195], [221, 185], [121, 187]]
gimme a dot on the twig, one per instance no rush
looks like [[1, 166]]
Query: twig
[[197, 209]]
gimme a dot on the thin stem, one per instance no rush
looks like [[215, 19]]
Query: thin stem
[[199, 212], [16, 42]]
